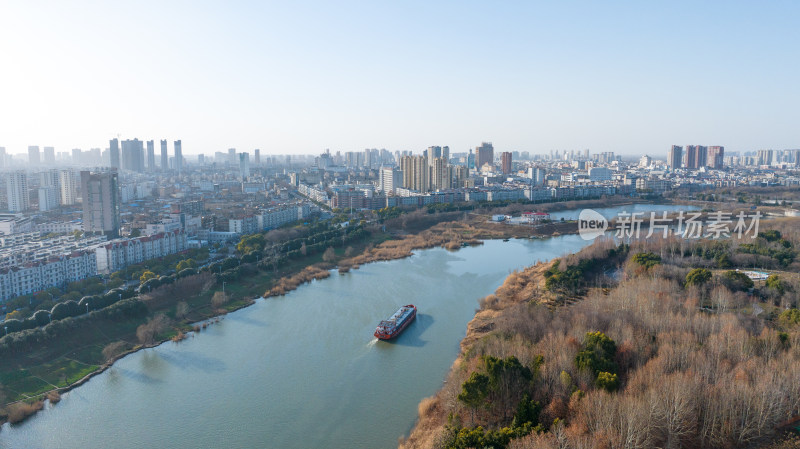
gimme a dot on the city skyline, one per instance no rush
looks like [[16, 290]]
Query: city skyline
[[300, 78]]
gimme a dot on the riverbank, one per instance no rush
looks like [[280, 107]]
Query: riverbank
[[79, 357]]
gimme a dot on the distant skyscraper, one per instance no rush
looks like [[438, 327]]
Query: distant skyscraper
[[100, 202], [701, 157], [505, 159], [164, 156], [244, 165], [232, 156], [49, 155], [17, 191], [439, 174], [151, 155], [716, 155], [416, 173], [33, 155], [2, 157], [77, 157], [133, 155], [178, 156], [69, 187], [113, 152], [690, 158], [484, 154], [257, 157], [675, 156]]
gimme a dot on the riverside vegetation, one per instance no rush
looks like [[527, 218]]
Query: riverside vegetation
[[650, 343], [52, 352]]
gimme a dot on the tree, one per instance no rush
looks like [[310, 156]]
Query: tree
[[136, 232], [607, 381], [597, 354], [114, 349], [776, 283], [647, 260], [146, 276], [219, 299], [181, 310], [329, 255], [474, 391], [698, 277], [147, 332], [184, 264], [736, 281]]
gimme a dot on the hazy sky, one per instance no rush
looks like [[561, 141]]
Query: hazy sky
[[299, 77]]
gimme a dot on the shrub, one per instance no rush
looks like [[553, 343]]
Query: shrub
[[698, 277]]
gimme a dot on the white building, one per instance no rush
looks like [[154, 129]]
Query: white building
[[48, 198], [69, 187], [599, 174], [17, 191], [120, 253], [56, 271]]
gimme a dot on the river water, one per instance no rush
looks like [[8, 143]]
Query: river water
[[299, 371]]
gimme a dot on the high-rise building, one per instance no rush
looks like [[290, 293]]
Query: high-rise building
[[456, 175], [178, 156], [439, 174], [766, 157], [48, 198], [113, 153], [232, 156], [701, 156], [77, 157], [716, 155], [133, 155], [390, 179], [416, 173], [17, 191], [33, 155], [675, 156], [690, 158], [49, 178], [505, 162], [69, 187], [164, 156], [484, 154], [100, 202], [244, 165], [2, 157], [151, 155], [257, 157], [49, 155]]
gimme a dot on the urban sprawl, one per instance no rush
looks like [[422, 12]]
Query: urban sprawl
[[78, 214]]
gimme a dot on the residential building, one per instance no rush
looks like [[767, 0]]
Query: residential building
[[675, 156], [17, 191], [100, 202], [178, 156], [113, 153], [164, 156], [505, 162], [484, 154], [68, 186]]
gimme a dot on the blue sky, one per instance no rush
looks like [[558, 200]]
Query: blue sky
[[300, 77]]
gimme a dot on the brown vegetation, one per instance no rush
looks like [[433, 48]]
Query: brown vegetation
[[219, 299], [287, 284], [149, 331], [696, 368], [111, 350], [17, 412], [53, 396]]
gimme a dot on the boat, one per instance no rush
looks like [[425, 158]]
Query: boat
[[394, 326]]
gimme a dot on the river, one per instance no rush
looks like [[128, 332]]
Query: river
[[297, 371]]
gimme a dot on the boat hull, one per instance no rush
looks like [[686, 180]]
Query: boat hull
[[398, 329]]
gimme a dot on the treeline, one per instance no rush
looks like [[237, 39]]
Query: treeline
[[30, 338]]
